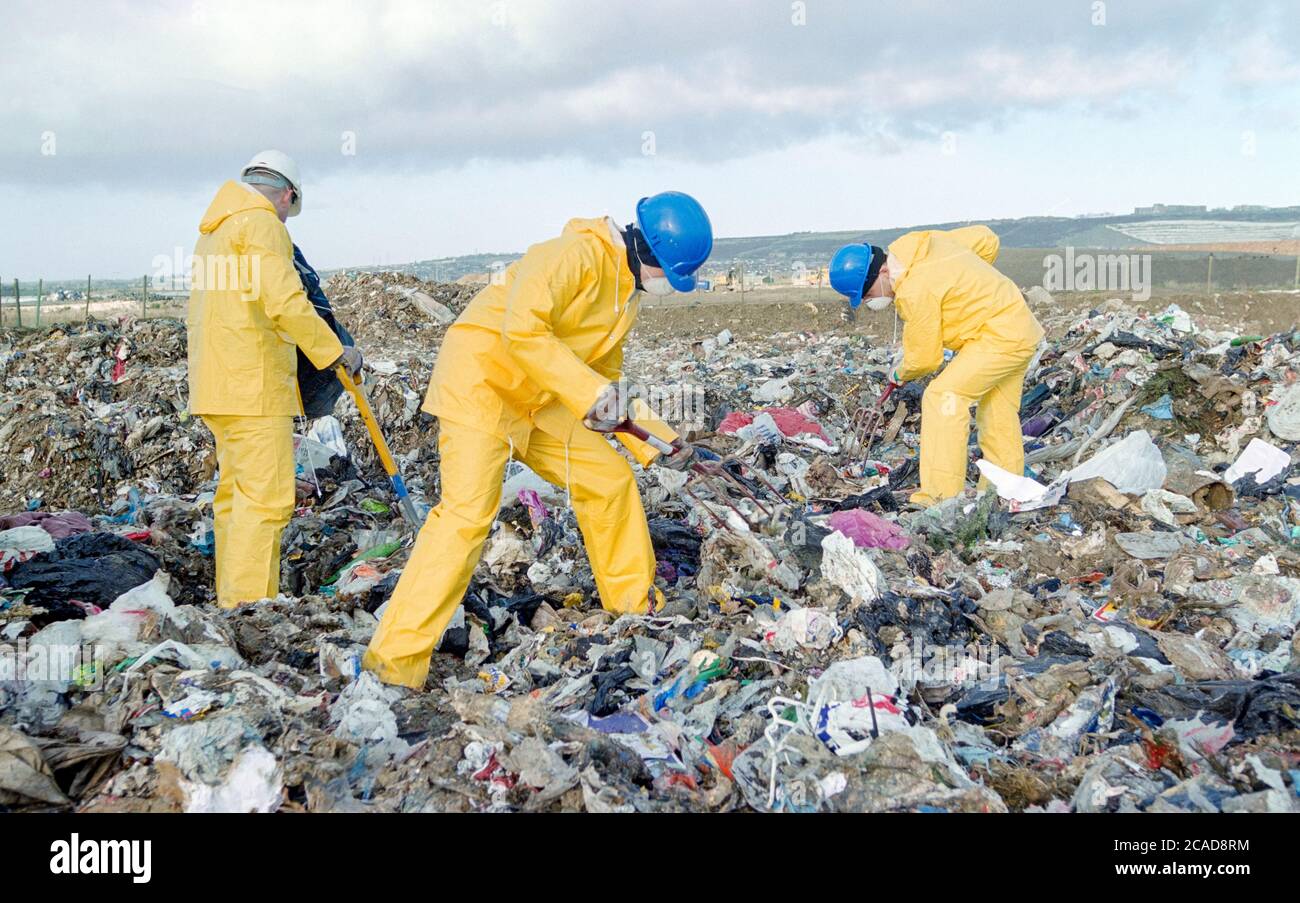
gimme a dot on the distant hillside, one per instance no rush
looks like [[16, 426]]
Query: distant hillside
[[780, 252]]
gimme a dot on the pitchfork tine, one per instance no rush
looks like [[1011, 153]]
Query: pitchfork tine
[[717, 521]]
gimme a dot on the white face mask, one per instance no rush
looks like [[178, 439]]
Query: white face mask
[[881, 303], [658, 285]]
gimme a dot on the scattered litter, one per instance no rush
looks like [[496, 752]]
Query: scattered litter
[[1112, 629]]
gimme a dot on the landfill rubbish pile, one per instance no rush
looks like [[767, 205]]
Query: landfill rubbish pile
[[1113, 630]]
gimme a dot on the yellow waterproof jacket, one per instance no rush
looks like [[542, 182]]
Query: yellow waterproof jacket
[[248, 311], [950, 295], [535, 349]]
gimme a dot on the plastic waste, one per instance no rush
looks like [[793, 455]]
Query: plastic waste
[[867, 530], [19, 544], [90, 567], [1150, 545], [1160, 409], [131, 614], [1056, 670], [809, 628], [1132, 465], [1284, 417], [1164, 506], [1260, 460], [1025, 493], [850, 568]]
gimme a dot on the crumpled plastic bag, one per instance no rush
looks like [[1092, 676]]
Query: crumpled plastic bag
[[808, 628], [22, 543], [1284, 417], [868, 530], [131, 612], [850, 568], [253, 784], [1133, 465], [25, 778], [363, 714]]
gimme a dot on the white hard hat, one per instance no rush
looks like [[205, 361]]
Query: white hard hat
[[281, 163]]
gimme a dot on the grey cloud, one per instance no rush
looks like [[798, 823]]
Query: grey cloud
[[186, 89]]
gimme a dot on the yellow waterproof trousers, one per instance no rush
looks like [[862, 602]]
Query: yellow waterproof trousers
[[992, 380], [253, 503], [605, 501]]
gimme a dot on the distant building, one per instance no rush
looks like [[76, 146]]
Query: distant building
[[1166, 209]]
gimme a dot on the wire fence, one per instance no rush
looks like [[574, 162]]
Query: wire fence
[[30, 305]]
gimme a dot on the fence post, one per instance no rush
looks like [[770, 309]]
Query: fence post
[[742, 282], [40, 290], [18, 303], [87, 297], [144, 296], [1209, 276], [1297, 270]]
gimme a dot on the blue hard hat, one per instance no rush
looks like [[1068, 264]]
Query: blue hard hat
[[849, 269], [680, 234]]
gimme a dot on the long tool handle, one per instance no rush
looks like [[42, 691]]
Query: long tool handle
[[368, 416], [630, 427], [358, 393]]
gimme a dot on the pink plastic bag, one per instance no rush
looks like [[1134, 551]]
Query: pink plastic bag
[[867, 530]]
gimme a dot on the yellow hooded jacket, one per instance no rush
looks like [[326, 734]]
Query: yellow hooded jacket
[[536, 348], [950, 295], [248, 311]]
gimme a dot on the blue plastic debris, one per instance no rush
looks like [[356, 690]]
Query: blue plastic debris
[[1161, 409]]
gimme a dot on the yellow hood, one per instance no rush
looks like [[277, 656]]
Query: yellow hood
[[233, 197], [910, 248], [597, 226]]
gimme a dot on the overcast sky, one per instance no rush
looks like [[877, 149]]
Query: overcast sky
[[438, 128]]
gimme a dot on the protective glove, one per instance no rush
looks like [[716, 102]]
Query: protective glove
[[351, 360], [609, 410], [681, 460], [893, 370]]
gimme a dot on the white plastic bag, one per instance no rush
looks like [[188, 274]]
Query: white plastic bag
[[1132, 465], [1284, 417], [850, 568], [809, 628]]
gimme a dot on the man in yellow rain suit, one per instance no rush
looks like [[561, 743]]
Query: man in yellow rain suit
[[532, 369], [948, 295], [247, 313]]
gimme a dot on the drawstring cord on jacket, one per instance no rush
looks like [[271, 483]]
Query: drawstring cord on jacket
[[568, 478], [300, 421]]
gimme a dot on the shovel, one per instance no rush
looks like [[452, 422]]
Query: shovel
[[358, 393]]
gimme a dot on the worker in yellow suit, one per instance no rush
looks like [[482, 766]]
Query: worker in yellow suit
[[532, 370], [247, 312], [948, 294]]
